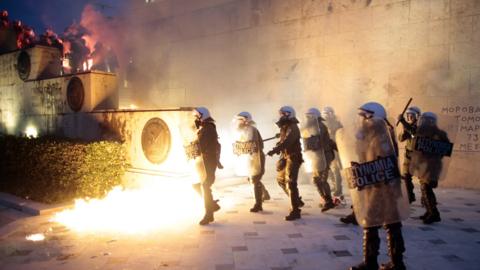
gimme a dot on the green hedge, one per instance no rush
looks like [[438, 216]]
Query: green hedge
[[53, 170]]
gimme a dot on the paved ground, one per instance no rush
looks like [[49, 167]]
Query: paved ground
[[241, 240]]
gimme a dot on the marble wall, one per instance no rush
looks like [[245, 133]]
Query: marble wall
[[256, 55]]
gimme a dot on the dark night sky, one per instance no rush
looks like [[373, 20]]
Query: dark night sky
[[57, 14]]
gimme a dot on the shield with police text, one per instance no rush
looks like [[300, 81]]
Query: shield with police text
[[314, 152], [191, 146], [432, 148], [246, 152], [371, 170]]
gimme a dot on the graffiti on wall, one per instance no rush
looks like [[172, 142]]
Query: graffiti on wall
[[468, 117], [50, 97]]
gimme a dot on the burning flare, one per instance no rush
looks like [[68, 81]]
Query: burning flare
[[170, 204], [35, 237]]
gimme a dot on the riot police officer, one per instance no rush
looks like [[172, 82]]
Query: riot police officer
[[288, 165], [409, 129], [209, 147], [370, 156], [381, 113], [333, 124], [427, 166], [318, 154], [249, 156]]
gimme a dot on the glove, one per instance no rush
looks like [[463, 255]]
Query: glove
[[271, 153]]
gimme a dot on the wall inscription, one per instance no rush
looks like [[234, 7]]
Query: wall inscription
[[468, 117]]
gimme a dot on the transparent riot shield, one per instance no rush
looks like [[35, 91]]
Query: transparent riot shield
[[433, 146], [246, 152], [314, 151], [191, 147], [371, 170]]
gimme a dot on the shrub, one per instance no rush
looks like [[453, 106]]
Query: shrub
[[53, 170]]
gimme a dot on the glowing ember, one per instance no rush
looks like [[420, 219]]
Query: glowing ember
[[31, 132], [66, 63], [87, 65], [35, 237], [167, 205]]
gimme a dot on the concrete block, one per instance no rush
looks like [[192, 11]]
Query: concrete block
[[475, 81], [285, 10], [391, 15], [416, 36], [355, 20], [476, 29], [275, 32], [464, 55], [309, 47], [311, 27], [438, 32], [419, 11], [311, 8], [343, 43], [460, 29], [439, 9], [460, 8]]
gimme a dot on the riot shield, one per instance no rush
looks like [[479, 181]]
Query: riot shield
[[433, 147], [191, 147], [314, 152], [246, 152], [371, 170]]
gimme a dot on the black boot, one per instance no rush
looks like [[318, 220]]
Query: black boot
[[433, 217], [258, 192], [207, 218], [349, 219], [324, 190], [327, 197], [328, 205], [396, 247], [371, 244], [210, 204], [294, 214], [430, 202]]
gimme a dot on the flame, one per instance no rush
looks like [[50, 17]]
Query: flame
[[35, 237], [65, 63], [87, 65], [67, 47], [169, 204]]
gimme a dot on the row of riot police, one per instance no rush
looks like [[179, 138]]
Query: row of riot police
[[369, 155], [203, 147]]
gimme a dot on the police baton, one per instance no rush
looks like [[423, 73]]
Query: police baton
[[405, 109], [271, 138]]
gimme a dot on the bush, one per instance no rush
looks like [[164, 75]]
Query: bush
[[53, 170]]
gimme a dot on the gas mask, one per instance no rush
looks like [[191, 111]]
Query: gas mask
[[198, 123]]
